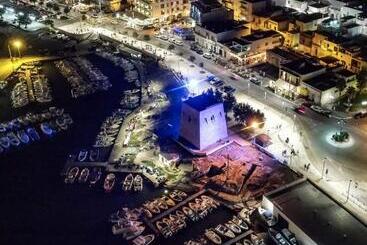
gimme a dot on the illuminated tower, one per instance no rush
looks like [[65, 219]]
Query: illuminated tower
[[203, 121]]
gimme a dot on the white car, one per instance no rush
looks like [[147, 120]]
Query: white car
[[178, 42], [207, 56], [320, 110]]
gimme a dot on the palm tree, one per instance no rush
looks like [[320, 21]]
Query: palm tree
[[24, 20]]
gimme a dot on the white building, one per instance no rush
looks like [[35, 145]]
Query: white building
[[203, 121]]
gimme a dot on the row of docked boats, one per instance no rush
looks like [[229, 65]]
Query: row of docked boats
[[21, 131], [84, 175], [92, 155], [79, 87], [177, 220], [30, 119], [130, 182], [226, 231], [127, 223], [95, 76], [110, 128], [41, 89], [19, 94], [158, 205], [133, 183], [131, 98]]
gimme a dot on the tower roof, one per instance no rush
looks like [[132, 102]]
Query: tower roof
[[201, 102]]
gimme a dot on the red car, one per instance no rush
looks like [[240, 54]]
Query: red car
[[301, 109]]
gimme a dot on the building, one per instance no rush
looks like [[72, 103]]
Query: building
[[203, 122], [251, 7], [309, 22], [329, 87], [209, 35], [251, 49], [318, 7], [208, 11], [313, 216], [278, 56], [234, 6], [163, 10], [293, 74]]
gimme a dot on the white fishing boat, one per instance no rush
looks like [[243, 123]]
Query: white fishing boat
[[190, 213], [240, 222], [24, 138], [224, 231], [175, 196], [46, 128], [33, 134], [123, 225], [233, 227], [144, 240], [168, 201], [71, 175], [128, 182], [109, 182], [138, 183], [5, 142], [84, 174], [133, 232], [82, 156], [212, 236], [152, 208], [247, 242], [14, 140]]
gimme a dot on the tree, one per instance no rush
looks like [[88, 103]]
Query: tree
[[66, 10], [84, 17], [2, 12], [49, 5], [351, 93], [49, 22], [229, 101], [146, 37], [246, 114], [192, 58], [201, 64], [24, 20], [135, 34], [341, 86], [33, 1], [171, 47], [56, 7]]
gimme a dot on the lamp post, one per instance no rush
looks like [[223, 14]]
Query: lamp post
[[323, 167], [18, 45]]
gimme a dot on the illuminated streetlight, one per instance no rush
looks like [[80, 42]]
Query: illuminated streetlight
[[18, 45]]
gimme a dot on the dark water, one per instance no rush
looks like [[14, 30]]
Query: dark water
[[37, 207]]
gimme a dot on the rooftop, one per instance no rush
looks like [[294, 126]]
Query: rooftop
[[223, 25], [319, 216], [201, 102], [260, 35], [284, 53], [323, 82], [305, 18], [319, 5], [206, 5], [345, 73], [302, 67]]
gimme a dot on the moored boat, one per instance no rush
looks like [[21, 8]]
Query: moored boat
[[128, 182], [247, 242], [175, 197], [224, 231], [84, 174], [240, 222], [163, 228], [190, 213], [94, 155], [212, 236], [5, 142], [138, 183], [46, 128], [233, 227], [168, 201], [71, 175], [109, 182], [82, 156], [24, 138], [33, 134], [14, 140], [95, 175], [144, 240]]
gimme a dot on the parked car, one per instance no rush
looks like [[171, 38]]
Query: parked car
[[360, 115], [218, 84], [300, 109], [199, 51], [178, 42], [228, 89], [207, 56], [320, 110]]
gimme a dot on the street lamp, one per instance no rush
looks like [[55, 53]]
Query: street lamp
[[18, 45], [323, 167]]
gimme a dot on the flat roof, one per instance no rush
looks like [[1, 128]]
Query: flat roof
[[319, 216], [206, 5], [323, 82], [301, 66], [223, 25], [201, 102], [345, 73], [284, 53], [305, 18], [319, 5], [260, 35]]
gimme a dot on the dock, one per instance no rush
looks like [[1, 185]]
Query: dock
[[238, 238], [183, 203]]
